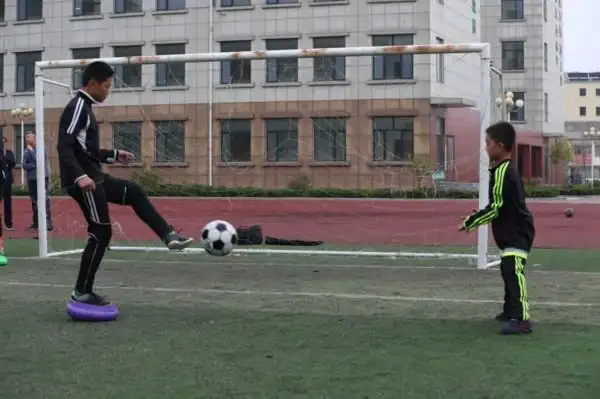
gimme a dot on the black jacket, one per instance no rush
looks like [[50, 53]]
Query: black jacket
[[79, 152], [512, 223], [10, 161]]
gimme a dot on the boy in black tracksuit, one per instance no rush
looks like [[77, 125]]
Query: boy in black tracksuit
[[512, 226]]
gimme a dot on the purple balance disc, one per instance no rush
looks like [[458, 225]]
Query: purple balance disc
[[84, 312]]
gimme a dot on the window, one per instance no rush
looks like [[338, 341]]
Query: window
[[282, 69], [546, 113], [79, 54], [169, 139], [597, 92], [536, 161], [128, 6], [1, 73], [513, 56], [236, 3], [20, 139], [518, 114], [392, 139], [170, 5], [26, 70], [397, 66], [546, 57], [128, 75], [282, 1], [29, 10], [439, 63], [582, 111], [236, 139], [83, 8], [170, 74], [582, 92], [474, 26], [282, 140], [236, 71], [474, 6], [440, 135], [327, 69], [128, 136], [545, 10], [597, 111], [2, 7], [512, 9], [329, 139]]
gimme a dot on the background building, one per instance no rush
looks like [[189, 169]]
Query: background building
[[526, 39], [582, 124], [340, 122]]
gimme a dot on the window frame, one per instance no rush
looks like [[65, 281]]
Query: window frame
[[120, 7], [160, 136], [516, 13], [116, 128], [228, 136], [582, 111], [165, 73], [28, 70], [340, 138], [379, 136], [77, 72], [245, 66], [516, 49], [24, 10], [406, 61], [282, 136], [133, 71], [97, 8], [335, 65], [275, 67], [165, 5]]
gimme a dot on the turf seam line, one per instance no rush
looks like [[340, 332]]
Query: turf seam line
[[332, 295]]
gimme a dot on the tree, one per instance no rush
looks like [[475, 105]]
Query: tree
[[560, 152]]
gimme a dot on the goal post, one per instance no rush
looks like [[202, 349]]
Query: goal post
[[481, 257]]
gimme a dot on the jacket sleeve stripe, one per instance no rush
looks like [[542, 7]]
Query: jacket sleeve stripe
[[76, 116], [497, 197]]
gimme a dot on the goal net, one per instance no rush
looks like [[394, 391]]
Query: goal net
[[367, 140]]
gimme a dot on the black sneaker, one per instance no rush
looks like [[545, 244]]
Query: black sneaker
[[90, 299], [502, 317], [9, 228], [176, 241], [33, 227], [50, 227]]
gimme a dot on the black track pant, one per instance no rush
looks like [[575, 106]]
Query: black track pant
[[515, 286], [32, 186], [94, 205]]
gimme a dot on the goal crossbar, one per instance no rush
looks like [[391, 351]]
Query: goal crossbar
[[484, 261]]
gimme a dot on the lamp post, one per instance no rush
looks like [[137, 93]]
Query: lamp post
[[592, 135], [508, 104], [22, 112]]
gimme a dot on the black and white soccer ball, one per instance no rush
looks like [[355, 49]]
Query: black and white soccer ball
[[219, 238]]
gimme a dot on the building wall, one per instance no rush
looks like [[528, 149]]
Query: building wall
[[573, 101], [535, 29], [358, 99]]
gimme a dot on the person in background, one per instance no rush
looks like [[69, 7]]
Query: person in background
[[10, 162], [30, 165]]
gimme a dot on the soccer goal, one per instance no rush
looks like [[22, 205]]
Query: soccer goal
[[328, 119]]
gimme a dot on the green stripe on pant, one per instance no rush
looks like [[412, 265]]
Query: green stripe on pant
[[516, 304]]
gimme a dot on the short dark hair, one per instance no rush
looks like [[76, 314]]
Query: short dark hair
[[98, 71], [503, 133]]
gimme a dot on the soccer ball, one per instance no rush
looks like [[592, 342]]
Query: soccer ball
[[219, 237], [569, 212]]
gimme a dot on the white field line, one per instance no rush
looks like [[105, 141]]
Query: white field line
[[248, 263], [325, 295]]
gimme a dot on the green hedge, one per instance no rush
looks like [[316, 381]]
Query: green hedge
[[197, 190]]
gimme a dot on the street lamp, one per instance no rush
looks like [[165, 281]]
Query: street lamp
[[22, 112], [592, 134], [508, 104]]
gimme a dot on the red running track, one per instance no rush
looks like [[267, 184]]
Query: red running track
[[335, 221]]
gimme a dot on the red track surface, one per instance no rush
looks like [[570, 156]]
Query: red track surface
[[363, 222]]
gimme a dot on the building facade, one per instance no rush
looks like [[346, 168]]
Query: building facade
[[582, 123], [364, 122]]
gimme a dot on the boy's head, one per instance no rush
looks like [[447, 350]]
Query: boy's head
[[97, 80], [500, 141], [30, 139]]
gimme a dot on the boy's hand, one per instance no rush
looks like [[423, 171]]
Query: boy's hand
[[125, 157], [86, 184], [463, 226]]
